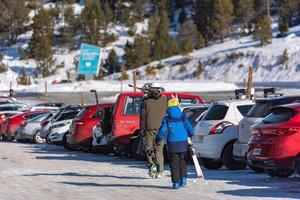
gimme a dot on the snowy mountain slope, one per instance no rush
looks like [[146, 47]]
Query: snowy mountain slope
[[229, 61]]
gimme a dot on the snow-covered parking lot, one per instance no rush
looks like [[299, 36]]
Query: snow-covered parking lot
[[30, 172]]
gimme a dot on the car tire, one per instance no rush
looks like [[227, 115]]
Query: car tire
[[66, 144], [141, 155], [228, 158], [257, 170], [298, 165], [211, 164], [280, 173], [37, 138]]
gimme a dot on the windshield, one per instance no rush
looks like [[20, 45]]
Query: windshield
[[259, 110], [216, 112], [278, 115]]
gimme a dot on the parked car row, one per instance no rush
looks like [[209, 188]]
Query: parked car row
[[263, 133]]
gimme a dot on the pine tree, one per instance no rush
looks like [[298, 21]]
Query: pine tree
[[108, 12], [202, 16], [153, 24], [138, 53], [112, 64], [69, 29], [223, 17], [13, 19], [93, 21], [54, 16], [287, 9], [263, 30], [245, 13], [188, 37], [162, 40], [40, 47]]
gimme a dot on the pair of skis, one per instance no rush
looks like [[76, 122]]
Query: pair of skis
[[199, 172]]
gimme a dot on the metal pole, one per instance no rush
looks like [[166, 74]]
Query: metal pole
[[46, 91], [134, 80], [97, 103]]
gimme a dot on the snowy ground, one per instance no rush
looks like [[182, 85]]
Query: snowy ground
[[30, 171]]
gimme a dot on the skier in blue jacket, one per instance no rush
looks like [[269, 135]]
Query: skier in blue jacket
[[177, 129]]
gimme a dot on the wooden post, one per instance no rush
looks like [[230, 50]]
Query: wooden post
[[250, 78], [134, 80], [82, 98], [46, 92]]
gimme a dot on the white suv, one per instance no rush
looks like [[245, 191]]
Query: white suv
[[217, 131]]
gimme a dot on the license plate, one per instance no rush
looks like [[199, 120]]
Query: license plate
[[256, 151]]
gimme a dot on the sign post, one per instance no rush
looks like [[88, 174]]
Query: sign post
[[90, 59]]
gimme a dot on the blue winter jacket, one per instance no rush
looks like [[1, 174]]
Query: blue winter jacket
[[176, 127]]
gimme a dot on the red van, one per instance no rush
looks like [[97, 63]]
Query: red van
[[81, 129], [126, 119], [275, 142]]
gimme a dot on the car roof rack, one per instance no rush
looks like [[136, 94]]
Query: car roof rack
[[271, 92], [240, 93]]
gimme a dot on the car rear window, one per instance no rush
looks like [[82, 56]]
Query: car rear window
[[259, 110], [194, 113], [278, 115], [244, 109], [33, 115], [216, 112]]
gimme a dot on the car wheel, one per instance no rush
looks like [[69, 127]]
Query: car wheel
[[257, 170], [298, 165], [228, 159], [135, 153], [37, 138], [281, 173], [66, 145], [211, 164]]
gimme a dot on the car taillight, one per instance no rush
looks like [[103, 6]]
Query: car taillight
[[219, 128], [23, 124], [255, 131], [79, 123], [279, 131], [44, 123]]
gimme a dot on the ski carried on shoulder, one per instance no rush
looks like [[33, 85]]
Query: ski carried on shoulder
[[199, 172]]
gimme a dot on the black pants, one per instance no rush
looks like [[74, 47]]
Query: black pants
[[178, 166]]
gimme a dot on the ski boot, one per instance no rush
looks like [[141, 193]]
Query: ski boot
[[152, 170], [176, 186], [183, 182], [159, 175]]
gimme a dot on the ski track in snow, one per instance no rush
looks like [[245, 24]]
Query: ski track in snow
[[31, 171]]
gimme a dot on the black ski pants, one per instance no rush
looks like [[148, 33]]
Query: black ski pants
[[178, 166]]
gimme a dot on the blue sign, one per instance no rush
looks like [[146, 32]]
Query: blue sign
[[90, 59]]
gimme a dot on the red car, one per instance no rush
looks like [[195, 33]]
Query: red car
[[11, 124], [275, 142], [126, 119], [81, 130]]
